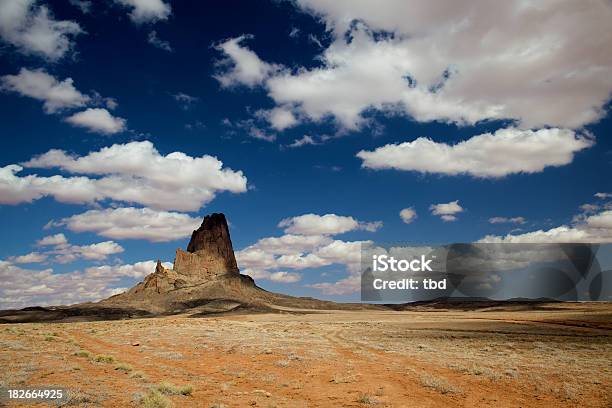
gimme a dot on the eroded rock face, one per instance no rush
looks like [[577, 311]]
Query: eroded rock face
[[161, 281], [207, 264], [209, 252], [202, 265]]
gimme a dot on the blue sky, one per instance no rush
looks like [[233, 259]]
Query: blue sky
[[505, 130]]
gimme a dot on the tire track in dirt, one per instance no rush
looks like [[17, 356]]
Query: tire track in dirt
[[217, 361], [408, 384], [496, 395]]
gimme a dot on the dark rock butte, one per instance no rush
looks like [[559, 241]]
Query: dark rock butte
[[209, 253], [204, 279]]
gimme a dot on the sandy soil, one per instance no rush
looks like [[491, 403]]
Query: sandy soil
[[556, 355]]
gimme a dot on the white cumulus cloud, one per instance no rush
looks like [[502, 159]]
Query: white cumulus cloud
[[31, 28], [446, 211], [507, 151], [133, 223], [28, 287], [92, 252], [280, 118], [97, 120], [56, 239], [408, 215], [595, 228], [136, 270], [60, 250], [262, 260], [444, 60], [147, 11], [241, 66], [307, 247], [32, 257], [328, 224], [38, 84], [133, 172]]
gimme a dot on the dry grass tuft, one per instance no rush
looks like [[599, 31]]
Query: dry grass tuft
[[83, 353], [282, 363], [569, 392], [123, 367], [78, 398], [366, 399], [171, 389], [343, 379], [155, 400], [138, 374], [102, 358], [439, 384]]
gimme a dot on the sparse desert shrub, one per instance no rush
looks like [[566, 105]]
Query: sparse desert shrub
[[474, 370], [487, 372], [123, 367], [217, 405], [366, 399], [155, 400], [76, 397], [50, 338], [491, 374], [569, 392], [438, 384], [138, 374], [295, 357], [102, 358], [262, 392], [171, 389], [511, 372], [282, 363], [342, 379], [83, 353]]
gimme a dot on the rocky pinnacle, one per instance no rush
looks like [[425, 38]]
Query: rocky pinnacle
[[212, 242]]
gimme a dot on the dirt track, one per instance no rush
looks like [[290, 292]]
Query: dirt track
[[557, 356]]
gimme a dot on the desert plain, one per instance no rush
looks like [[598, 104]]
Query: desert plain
[[547, 355]]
